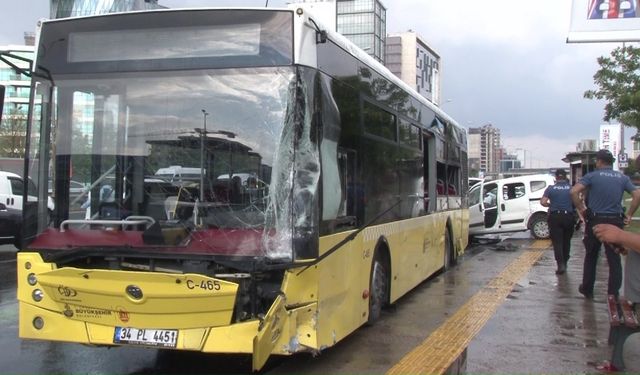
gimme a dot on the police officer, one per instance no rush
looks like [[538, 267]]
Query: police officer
[[560, 218], [604, 188]]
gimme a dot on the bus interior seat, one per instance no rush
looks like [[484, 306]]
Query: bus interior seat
[[170, 204]]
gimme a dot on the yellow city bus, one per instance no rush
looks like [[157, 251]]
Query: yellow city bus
[[320, 187]]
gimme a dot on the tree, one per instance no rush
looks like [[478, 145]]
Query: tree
[[631, 170], [618, 81], [634, 170], [13, 132]]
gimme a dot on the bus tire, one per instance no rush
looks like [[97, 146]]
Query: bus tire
[[378, 287], [540, 227]]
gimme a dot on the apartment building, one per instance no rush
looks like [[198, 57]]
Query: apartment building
[[485, 151], [409, 57]]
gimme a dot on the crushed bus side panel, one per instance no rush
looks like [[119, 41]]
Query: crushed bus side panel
[[301, 330], [320, 314], [343, 293], [269, 332]]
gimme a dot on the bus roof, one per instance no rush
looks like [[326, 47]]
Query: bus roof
[[361, 55], [334, 36]]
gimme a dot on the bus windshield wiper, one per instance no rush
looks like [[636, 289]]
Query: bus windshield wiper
[[348, 238]]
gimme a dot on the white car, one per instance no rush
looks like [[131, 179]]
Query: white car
[[473, 181], [509, 205], [12, 188]]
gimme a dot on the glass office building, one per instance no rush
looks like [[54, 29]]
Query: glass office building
[[17, 86], [364, 22], [76, 8]]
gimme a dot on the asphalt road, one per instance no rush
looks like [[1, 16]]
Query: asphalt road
[[367, 350], [543, 326]]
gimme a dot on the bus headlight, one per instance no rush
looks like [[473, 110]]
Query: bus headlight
[[32, 279], [37, 295]]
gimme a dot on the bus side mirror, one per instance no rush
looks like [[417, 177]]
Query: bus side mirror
[[1, 101]]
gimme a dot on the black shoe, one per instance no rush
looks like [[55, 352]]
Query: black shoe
[[586, 295], [562, 268]]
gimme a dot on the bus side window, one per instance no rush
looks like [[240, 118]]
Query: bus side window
[[441, 182], [349, 187]]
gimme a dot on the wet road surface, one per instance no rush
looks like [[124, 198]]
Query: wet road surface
[[544, 326]]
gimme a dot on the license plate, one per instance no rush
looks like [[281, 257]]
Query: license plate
[[166, 338]]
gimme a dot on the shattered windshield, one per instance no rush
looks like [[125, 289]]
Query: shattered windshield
[[196, 160]]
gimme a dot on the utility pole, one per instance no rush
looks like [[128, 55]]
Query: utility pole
[[203, 136]]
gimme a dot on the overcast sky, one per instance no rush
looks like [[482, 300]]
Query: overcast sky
[[504, 62]]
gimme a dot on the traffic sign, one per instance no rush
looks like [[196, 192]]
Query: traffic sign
[[623, 157], [623, 164]]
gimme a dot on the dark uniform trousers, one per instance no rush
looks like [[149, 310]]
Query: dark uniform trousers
[[592, 248], [561, 226]]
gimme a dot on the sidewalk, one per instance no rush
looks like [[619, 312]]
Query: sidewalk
[[546, 326]]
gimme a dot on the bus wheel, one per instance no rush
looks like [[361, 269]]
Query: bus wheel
[[378, 289], [540, 227], [449, 256]]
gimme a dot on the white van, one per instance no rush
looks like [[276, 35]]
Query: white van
[[509, 205], [12, 188], [179, 174]]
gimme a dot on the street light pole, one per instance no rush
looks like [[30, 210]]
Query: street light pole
[[203, 134]]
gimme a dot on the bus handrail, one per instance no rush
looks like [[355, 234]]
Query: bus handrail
[[129, 221]]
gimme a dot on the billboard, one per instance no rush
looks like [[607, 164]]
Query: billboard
[[604, 21], [611, 138]]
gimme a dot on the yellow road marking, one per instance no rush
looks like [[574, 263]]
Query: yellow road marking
[[436, 354]]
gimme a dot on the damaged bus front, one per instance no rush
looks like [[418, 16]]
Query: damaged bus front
[[197, 263]]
